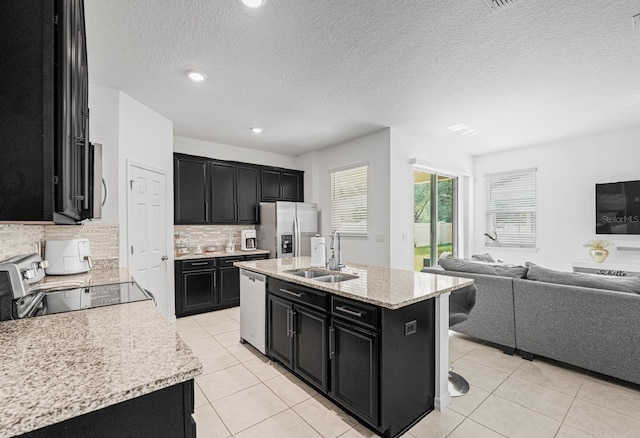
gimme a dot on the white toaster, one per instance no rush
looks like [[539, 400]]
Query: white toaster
[[68, 256]]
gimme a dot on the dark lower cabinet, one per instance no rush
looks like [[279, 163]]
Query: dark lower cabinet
[[297, 324], [163, 413], [309, 332], [204, 285], [376, 363], [354, 369]]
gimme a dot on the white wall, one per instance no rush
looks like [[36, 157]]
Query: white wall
[[374, 149], [221, 151], [406, 145], [566, 178], [146, 138], [103, 128]]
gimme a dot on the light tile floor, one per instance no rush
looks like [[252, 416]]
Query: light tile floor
[[242, 395]]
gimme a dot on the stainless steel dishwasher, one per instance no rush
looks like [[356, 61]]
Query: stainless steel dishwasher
[[253, 299]]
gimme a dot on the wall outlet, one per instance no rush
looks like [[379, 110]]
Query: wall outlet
[[410, 327]]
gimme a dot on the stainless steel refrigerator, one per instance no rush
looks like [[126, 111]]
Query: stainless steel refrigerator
[[286, 228]]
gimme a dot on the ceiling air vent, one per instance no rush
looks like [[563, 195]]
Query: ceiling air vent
[[499, 5]]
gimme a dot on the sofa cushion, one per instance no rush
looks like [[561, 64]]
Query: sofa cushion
[[475, 267], [483, 258], [620, 284]]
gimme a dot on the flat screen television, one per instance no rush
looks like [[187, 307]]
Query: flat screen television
[[618, 208]]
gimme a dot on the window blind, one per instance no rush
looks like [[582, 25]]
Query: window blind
[[511, 209], [349, 200]]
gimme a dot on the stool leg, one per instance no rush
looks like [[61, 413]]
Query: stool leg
[[458, 385]]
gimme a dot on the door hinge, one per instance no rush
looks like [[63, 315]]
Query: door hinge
[[131, 184], [132, 249]]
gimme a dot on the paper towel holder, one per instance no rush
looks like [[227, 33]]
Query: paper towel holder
[[318, 259]]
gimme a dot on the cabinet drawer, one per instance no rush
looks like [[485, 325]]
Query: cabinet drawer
[[227, 262], [299, 294], [355, 311], [256, 257], [190, 265]]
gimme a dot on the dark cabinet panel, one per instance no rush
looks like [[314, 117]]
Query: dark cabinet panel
[[354, 369], [247, 194], [281, 185], [310, 346], [292, 189], [271, 181], [229, 281], [191, 190], [159, 414], [279, 315], [223, 192], [198, 290], [46, 167]]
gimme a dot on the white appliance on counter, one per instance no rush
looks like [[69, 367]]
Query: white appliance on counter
[[68, 257], [286, 228], [253, 297], [248, 240]]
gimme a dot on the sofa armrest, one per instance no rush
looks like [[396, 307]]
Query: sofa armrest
[[591, 328]]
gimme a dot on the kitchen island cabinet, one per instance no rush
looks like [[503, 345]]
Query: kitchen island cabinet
[[381, 337], [118, 370]]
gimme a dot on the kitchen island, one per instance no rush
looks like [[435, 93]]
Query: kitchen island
[[118, 370], [374, 340]]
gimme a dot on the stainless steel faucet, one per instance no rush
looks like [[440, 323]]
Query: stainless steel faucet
[[335, 262]]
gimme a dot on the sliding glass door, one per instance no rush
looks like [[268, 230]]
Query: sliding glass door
[[434, 196]]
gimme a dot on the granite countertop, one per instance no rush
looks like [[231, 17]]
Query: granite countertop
[[60, 366], [208, 255], [385, 287]]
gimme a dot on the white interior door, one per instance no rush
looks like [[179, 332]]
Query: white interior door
[[147, 231]]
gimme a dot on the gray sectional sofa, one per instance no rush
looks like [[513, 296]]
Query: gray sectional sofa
[[552, 314]]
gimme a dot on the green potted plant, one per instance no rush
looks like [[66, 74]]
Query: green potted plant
[[598, 251]]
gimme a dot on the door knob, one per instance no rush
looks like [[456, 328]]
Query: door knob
[[164, 257]]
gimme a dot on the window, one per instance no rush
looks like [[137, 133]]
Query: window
[[511, 209], [349, 200]]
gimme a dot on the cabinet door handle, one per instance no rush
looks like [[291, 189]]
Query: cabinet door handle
[[332, 342], [349, 312], [288, 323], [293, 323], [206, 212], [295, 294]]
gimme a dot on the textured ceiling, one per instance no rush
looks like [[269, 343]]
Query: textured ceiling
[[316, 73]]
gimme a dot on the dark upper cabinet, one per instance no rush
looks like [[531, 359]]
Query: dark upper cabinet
[[223, 193], [191, 190], [247, 190], [45, 170], [210, 191], [281, 185], [271, 185], [292, 188]]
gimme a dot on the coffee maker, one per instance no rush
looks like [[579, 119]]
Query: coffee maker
[[248, 240]]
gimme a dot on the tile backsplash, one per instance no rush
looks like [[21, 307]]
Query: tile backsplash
[[205, 235], [22, 239]]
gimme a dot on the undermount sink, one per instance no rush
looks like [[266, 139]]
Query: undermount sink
[[307, 273], [334, 278], [320, 275]]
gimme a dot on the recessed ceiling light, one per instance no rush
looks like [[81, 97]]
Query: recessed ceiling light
[[256, 130], [253, 3], [461, 129], [196, 76]]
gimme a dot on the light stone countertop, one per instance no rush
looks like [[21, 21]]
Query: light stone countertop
[[60, 366], [209, 255], [385, 287], [94, 277]]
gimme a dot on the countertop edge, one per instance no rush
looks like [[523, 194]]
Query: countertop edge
[[219, 254], [326, 288]]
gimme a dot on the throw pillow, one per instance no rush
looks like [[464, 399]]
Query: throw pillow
[[483, 258], [475, 267], [620, 284]]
